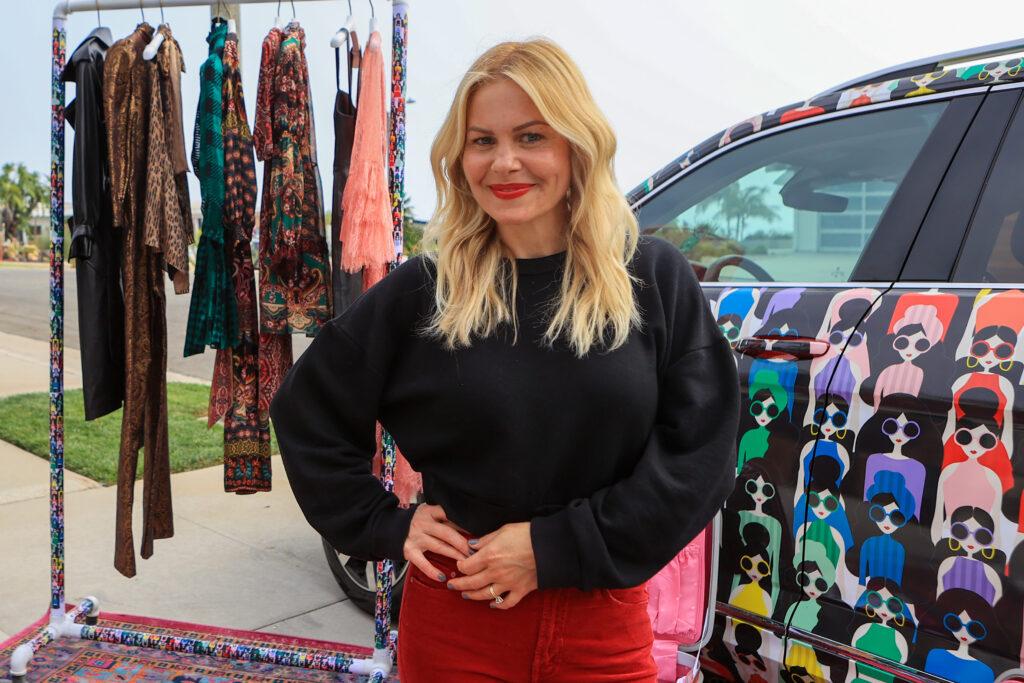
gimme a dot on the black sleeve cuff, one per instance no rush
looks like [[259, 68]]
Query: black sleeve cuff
[[82, 239], [555, 552], [390, 532]]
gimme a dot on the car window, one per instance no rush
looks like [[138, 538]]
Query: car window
[[994, 248], [797, 206]]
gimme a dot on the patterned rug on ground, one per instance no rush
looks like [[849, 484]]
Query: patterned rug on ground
[[88, 660]]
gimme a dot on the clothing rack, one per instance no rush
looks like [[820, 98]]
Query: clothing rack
[[63, 624]]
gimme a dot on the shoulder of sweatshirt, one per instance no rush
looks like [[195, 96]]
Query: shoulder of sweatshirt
[[409, 278], [392, 305], [672, 298], [659, 261], [413, 277], [665, 273]]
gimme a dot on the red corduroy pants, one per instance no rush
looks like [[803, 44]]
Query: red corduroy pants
[[559, 635]]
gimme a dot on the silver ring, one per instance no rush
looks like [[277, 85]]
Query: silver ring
[[497, 598]]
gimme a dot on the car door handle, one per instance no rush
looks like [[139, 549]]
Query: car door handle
[[768, 346]]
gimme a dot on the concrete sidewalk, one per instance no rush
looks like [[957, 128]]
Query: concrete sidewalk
[[247, 562]]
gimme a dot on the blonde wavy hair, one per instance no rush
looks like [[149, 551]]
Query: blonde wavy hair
[[476, 274]]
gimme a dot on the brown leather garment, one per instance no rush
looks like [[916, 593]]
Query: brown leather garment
[[127, 103]]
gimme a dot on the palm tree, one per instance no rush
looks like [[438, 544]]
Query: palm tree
[[736, 204], [21, 191]]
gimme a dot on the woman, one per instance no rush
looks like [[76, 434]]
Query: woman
[[768, 401], [752, 584], [916, 333], [558, 381], [973, 562], [976, 469], [881, 600], [971, 621], [890, 507]]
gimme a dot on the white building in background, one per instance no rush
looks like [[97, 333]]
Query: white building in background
[[848, 231], [39, 220]]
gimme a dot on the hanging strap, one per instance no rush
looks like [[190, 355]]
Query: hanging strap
[[337, 66]]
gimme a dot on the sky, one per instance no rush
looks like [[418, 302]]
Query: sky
[[666, 73]]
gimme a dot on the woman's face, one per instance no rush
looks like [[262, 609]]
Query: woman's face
[[518, 167], [900, 429], [991, 351], [840, 336], [883, 604], [910, 346], [977, 441], [822, 503], [830, 419], [887, 517], [813, 583], [965, 629], [729, 325], [972, 535], [760, 490], [756, 567], [764, 410]]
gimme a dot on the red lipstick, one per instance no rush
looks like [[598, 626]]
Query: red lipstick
[[510, 190]]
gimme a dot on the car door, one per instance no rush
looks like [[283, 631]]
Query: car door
[[936, 489], [797, 233]]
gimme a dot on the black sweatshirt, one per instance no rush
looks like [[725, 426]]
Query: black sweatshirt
[[618, 459]]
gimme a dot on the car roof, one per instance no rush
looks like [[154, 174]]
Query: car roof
[[887, 88]]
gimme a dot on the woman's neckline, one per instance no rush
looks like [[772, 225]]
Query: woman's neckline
[[541, 264]]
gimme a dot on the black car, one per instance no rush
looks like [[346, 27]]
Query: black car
[[863, 251]]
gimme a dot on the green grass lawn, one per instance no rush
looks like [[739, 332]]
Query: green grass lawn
[[91, 448]]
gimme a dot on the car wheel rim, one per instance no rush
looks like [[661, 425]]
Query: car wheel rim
[[361, 572]]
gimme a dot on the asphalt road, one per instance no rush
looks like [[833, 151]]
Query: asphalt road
[[25, 311]]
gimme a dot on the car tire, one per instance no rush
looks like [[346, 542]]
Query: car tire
[[353, 576]]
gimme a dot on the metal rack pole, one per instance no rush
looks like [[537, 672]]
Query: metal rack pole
[[66, 7], [63, 624], [383, 636]]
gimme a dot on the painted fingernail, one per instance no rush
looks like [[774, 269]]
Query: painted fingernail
[[450, 586], [440, 576], [465, 596], [474, 541], [472, 552]]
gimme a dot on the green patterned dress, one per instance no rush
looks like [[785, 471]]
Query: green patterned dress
[[213, 312]]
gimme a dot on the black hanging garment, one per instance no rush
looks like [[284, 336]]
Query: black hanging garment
[[94, 245], [347, 286]]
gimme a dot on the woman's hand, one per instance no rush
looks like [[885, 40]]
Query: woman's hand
[[431, 530], [503, 558]]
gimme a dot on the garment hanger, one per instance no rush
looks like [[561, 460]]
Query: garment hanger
[[279, 22], [355, 51], [102, 32], [342, 36], [218, 17], [225, 11], [158, 38], [373, 19], [295, 19]]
